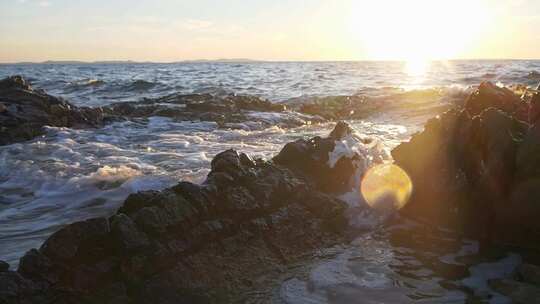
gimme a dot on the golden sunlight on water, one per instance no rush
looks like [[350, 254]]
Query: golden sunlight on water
[[386, 187], [416, 67]]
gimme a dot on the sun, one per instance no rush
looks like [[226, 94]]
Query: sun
[[416, 31]]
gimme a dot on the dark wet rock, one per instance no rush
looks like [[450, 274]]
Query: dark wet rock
[[4, 266], [534, 75], [341, 107], [310, 158], [128, 237], [78, 237], [191, 243], [477, 173], [518, 292], [534, 110], [529, 273], [489, 95], [231, 111], [25, 111]]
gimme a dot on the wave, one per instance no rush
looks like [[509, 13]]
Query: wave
[[140, 85], [83, 84], [534, 75]]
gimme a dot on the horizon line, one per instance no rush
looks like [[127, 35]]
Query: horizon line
[[247, 60]]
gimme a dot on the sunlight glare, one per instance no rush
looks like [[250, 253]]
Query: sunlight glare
[[386, 187], [417, 30], [416, 67]]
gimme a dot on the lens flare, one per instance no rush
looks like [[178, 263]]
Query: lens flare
[[386, 187]]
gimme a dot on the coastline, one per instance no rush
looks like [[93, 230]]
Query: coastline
[[39, 273]]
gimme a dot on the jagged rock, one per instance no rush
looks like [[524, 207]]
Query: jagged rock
[[518, 292], [311, 158], [489, 95], [231, 111], [127, 235], [341, 107], [4, 266], [529, 273], [24, 111], [534, 111], [189, 243], [476, 173], [75, 238]]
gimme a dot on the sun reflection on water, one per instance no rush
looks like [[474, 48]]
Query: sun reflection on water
[[416, 67]]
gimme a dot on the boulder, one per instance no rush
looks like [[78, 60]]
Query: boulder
[[341, 107], [489, 95], [518, 292], [313, 158], [24, 112], [230, 111], [191, 243], [529, 273], [4, 266], [475, 169]]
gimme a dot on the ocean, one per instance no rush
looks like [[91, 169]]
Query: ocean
[[71, 174]]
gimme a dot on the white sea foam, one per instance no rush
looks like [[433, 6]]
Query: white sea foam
[[482, 273]]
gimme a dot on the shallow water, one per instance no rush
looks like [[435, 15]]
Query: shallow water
[[403, 264], [69, 175]]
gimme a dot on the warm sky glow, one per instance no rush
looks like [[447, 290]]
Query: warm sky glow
[[172, 30], [419, 29]]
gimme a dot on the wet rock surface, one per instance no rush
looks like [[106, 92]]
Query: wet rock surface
[[190, 243], [522, 287], [24, 112], [476, 169], [310, 158], [229, 111]]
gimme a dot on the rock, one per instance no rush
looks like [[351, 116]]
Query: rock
[[534, 75], [36, 265], [489, 95], [341, 107], [126, 234], [24, 111], [475, 170], [534, 110], [518, 292], [232, 111], [14, 288], [191, 242], [66, 243], [529, 273], [4, 266], [311, 158]]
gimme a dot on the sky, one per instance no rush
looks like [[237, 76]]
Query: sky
[[174, 30]]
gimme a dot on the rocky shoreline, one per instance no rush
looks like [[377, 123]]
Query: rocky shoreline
[[474, 169], [194, 243], [25, 111]]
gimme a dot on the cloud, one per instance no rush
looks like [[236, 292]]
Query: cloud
[[195, 24], [42, 3]]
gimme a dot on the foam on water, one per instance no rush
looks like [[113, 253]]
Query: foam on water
[[372, 270], [482, 273], [69, 175]]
